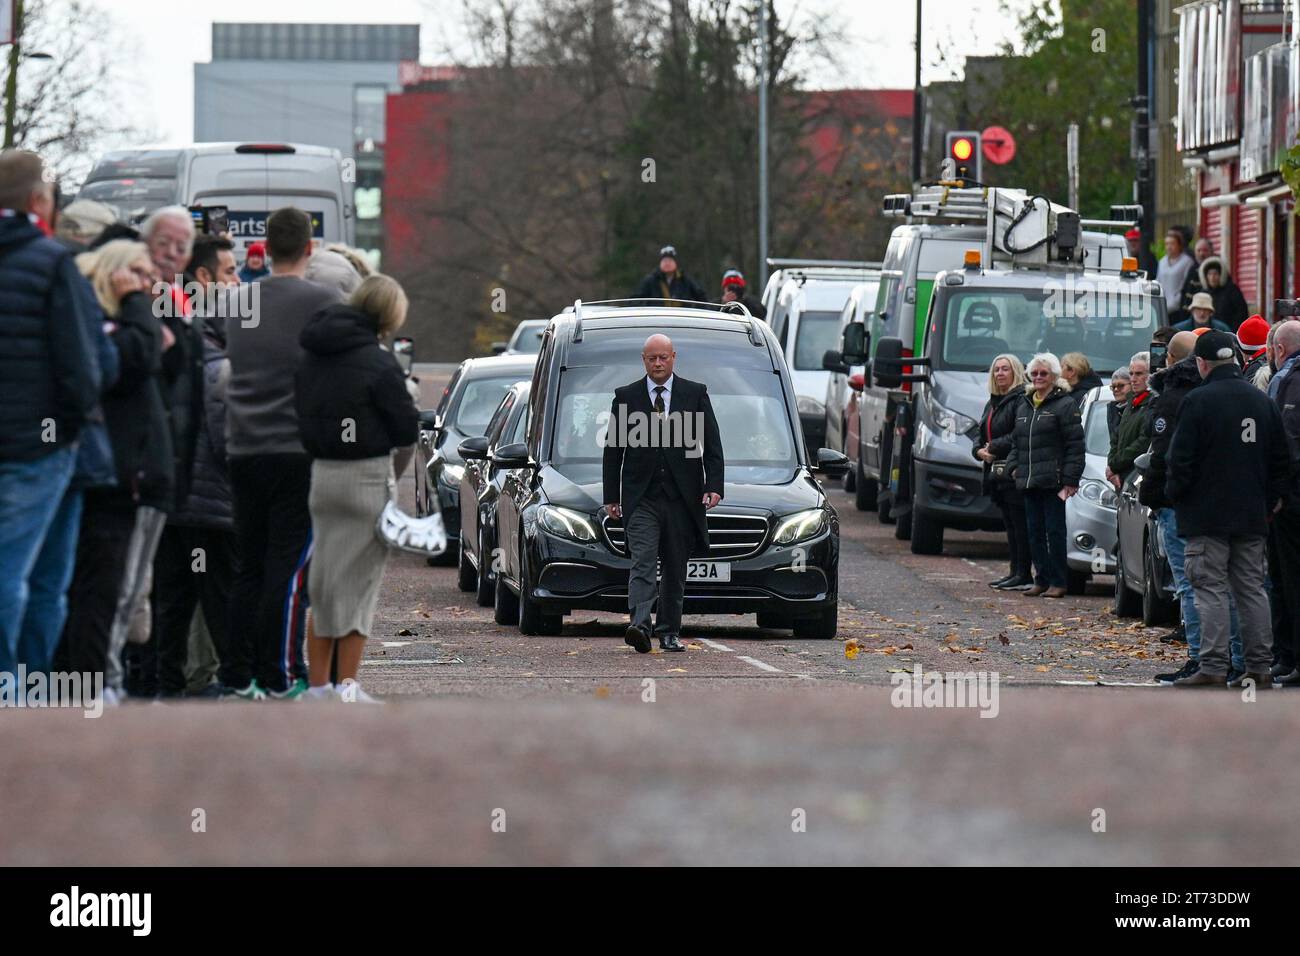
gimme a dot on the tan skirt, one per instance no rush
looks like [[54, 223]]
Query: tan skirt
[[347, 561]]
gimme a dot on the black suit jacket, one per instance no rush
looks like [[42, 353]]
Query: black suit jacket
[[627, 470]]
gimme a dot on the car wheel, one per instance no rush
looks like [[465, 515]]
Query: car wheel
[[823, 627], [1076, 582], [927, 533], [531, 619], [466, 576], [866, 491], [903, 526], [505, 605], [1155, 609], [1126, 603], [850, 480], [486, 580]]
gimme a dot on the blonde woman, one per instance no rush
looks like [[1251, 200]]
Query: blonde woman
[[120, 525], [1006, 392], [354, 411], [1077, 370], [1046, 460]]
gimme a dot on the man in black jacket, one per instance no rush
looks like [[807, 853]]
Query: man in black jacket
[[1230, 438], [1284, 389], [668, 285], [49, 387], [663, 469]]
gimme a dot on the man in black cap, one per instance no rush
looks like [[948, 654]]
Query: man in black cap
[[1229, 472], [669, 284]]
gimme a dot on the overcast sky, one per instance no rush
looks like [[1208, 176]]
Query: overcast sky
[[163, 43]]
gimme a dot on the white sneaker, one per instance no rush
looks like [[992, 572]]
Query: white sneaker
[[324, 692], [350, 692]]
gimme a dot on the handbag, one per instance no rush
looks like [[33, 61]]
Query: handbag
[[998, 470], [402, 532]]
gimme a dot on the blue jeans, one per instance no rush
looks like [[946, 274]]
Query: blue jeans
[[47, 601], [31, 494], [1175, 548], [1045, 521]]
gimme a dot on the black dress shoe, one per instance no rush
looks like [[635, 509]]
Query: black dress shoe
[[1289, 680], [639, 638], [1018, 583], [1001, 581], [1281, 670], [670, 643]]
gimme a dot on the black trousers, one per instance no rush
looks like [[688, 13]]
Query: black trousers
[[193, 567], [1045, 522], [107, 518], [660, 532], [268, 599], [1012, 503], [1284, 571]]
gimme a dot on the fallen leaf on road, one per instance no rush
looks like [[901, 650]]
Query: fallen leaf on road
[[405, 632], [851, 648], [1042, 668], [676, 670], [1004, 639], [602, 692]]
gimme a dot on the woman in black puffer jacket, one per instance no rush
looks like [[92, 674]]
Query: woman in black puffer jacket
[[1006, 393], [1047, 459]]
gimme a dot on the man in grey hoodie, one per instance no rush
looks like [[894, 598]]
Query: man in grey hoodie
[[270, 472]]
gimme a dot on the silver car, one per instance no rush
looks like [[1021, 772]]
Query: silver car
[[1090, 516]]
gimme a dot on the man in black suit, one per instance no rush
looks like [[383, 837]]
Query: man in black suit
[[663, 469]]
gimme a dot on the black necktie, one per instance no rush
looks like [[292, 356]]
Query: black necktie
[[659, 399]]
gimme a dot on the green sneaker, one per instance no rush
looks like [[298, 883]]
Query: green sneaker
[[293, 692], [251, 692]]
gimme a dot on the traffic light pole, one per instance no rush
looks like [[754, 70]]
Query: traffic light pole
[[918, 105], [762, 147], [1145, 182], [11, 82]]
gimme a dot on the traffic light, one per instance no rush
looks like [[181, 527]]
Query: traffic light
[[964, 149]]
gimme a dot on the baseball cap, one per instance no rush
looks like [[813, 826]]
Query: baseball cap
[[1215, 345]]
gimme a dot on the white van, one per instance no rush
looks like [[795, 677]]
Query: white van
[[251, 179], [804, 300]]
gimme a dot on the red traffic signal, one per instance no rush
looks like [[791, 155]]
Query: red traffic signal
[[963, 148]]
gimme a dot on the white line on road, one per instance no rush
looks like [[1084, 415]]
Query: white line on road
[[759, 664], [715, 645]]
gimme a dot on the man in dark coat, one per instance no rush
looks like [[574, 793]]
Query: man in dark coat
[[663, 469], [1284, 390], [1229, 303], [668, 285], [1229, 438], [50, 384], [733, 290]]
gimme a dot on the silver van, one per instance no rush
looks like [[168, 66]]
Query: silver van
[[250, 179]]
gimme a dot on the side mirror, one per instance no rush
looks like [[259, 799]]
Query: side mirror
[[404, 350], [887, 366], [1143, 461], [832, 463], [832, 362], [429, 419], [474, 449], [857, 382], [514, 455], [498, 347], [856, 343]]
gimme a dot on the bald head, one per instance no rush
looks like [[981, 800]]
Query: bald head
[[1180, 346], [1288, 336], [659, 357]]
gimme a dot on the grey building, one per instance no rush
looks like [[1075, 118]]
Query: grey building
[[319, 83]]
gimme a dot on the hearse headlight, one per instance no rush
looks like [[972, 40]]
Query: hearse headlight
[[809, 406], [800, 526], [566, 523]]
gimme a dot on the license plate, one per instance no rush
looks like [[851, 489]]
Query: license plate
[[708, 571]]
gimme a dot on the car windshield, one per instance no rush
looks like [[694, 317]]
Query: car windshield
[[980, 324], [1096, 431], [528, 338], [750, 405], [478, 401], [818, 331]]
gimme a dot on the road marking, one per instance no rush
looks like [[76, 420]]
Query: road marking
[[715, 645], [759, 664], [395, 643], [973, 564], [371, 662]]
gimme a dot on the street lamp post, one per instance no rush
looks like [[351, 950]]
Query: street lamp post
[[11, 82], [762, 146]]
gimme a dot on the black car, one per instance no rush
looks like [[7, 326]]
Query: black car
[[773, 540], [480, 487], [467, 404], [1144, 583]]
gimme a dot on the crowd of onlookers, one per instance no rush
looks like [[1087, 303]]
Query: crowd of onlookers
[[189, 448], [1212, 430]]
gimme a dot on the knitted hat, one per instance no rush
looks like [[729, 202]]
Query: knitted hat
[[1253, 334], [257, 249], [1215, 345], [733, 278]]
